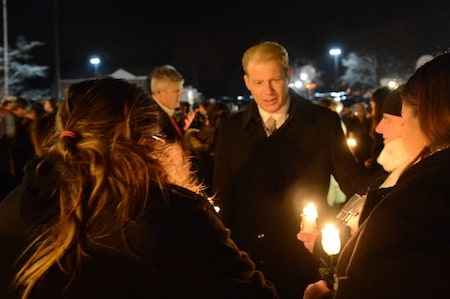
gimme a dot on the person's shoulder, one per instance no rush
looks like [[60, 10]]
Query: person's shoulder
[[432, 170], [313, 113], [234, 121], [156, 104], [182, 197], [303, 103]]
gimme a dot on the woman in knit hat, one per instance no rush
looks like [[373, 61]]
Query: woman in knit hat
[[401, 248], [393, 159]]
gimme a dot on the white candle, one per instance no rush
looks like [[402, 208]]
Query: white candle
[[331, 242], [309, 217]]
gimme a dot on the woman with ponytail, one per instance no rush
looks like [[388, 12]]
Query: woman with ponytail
[[111, 210]]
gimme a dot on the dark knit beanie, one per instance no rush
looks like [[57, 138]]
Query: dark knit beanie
[[393, 103]]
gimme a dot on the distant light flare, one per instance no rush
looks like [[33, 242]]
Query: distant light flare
[[335, 52], [95, 60]]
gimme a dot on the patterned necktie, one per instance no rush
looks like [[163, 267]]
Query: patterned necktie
[[271, 125]]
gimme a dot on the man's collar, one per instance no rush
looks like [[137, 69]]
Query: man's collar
[[169, 111], [297, 107], [280, 115]]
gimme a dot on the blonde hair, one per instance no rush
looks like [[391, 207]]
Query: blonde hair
[[106, 161], [264, 52]]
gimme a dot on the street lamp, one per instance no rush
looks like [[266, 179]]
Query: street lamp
[[335, 52], [95, 61], [5, 49]]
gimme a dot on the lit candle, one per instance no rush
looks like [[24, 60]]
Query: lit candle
[[331, 242], [309, 216]]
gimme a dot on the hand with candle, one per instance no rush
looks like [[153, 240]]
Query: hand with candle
[[308, 228], [331, 243], [308, 239]]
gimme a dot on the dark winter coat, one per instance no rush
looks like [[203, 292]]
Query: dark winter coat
[[168, 128], [263, 183], [183, 251], [403, 245]]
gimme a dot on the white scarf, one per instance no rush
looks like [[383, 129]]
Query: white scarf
[[394, 159]]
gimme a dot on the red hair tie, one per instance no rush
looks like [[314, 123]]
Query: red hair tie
[[69, 134]]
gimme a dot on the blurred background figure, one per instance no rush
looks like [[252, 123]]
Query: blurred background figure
[[34, 110], [200, 114], [376, 102], [7, 132], [358, 129], [184, 115], [50, 105], [40, 128], [166, 85], [337, 107], [336, 197], [202, 142], [21, 147]]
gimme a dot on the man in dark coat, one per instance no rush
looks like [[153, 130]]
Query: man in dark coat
[[263, 179]]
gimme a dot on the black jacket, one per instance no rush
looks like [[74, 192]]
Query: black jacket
[[180, 250], [263, 183], [168, 128], [403, 245]]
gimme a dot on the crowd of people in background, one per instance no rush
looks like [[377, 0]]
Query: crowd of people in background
[[23, 125], [194, 126], [149, 164]]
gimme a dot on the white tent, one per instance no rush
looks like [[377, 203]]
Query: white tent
[[122, 74]]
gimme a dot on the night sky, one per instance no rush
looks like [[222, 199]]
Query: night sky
[[205, 40]]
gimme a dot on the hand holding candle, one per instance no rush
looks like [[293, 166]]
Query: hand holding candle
[[309, 216], [331, 244]]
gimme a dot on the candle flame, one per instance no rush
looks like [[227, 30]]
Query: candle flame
[[331, 241], [310, 211]]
